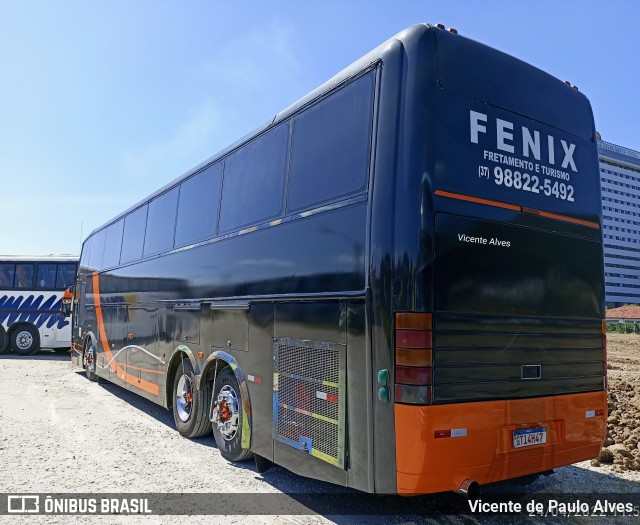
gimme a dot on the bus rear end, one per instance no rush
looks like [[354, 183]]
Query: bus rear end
[[504, 372]]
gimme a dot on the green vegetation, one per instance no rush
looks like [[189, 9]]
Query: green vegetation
[[624, 328]]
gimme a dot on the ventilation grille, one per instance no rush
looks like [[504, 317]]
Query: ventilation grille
[[309, 397]]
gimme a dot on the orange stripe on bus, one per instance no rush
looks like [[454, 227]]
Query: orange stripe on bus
[[498, 204], [147, 386], [569, 219], [478, 200]]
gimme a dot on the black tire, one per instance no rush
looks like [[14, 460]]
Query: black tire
[[89, 360], [25, 340], [190, 405], [228, 435], [4, 340]]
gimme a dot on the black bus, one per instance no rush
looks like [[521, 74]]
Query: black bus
[[395, 285]]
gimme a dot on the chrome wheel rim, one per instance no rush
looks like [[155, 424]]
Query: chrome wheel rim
[[24, 340], [90, 362], [184, 398], [227, 413]]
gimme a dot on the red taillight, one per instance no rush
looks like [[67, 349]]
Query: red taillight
[[413, 375], [413, 339], [413, 370]]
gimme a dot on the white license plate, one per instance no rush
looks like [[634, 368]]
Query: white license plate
[[527, 437]]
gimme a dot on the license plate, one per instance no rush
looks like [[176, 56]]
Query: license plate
[[527, 437]]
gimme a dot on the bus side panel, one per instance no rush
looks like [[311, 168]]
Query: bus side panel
[[360, 402], [257, 362], [480, 444], [342, 325], [310, 341], [400, 268]]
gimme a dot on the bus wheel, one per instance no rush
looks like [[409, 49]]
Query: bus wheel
[[89, 359], [4, 340], [227, 416], [25, 340], [190, 404]]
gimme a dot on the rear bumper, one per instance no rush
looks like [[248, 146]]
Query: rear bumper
[[481, 448]]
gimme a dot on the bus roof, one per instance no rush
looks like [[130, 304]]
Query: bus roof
[[39, 258]]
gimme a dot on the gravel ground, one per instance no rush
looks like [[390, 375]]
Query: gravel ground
[[61, 433]]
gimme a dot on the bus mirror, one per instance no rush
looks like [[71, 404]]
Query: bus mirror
[[65, 309], [67, 299]]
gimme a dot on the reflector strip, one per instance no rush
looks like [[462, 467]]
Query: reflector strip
[[254, 379], [327, 397], [451, 432], [461, 197], [498, 204]]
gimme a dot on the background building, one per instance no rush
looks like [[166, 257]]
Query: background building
[[620, 175]]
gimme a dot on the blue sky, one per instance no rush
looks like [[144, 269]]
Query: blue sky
[[103, 102]]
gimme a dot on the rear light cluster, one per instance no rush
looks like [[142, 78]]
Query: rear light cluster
[[413, 370]]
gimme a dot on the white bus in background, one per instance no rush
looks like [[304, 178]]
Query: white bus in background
[[31, 289]]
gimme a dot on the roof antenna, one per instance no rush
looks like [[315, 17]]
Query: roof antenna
[[81, 226]]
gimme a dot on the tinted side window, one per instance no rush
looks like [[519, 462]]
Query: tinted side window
[[331, 146], [46, 276], [86, 250], [133, 236], [24, 276], [97, 250], [66, 275], [161, 223], [198, 206], [253, 182], [112, 244], [7, 273]]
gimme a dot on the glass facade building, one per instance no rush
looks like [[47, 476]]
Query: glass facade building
[[620, 175]]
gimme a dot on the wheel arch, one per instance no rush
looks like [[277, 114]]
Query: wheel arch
[[16, 326], [172, 367], [4, 339], [216, 362], [89, 340]]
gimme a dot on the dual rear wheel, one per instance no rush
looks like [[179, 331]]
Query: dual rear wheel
[[191, 410]]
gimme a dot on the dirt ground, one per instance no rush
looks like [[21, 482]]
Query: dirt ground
[[620, 451], [61, 433]]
